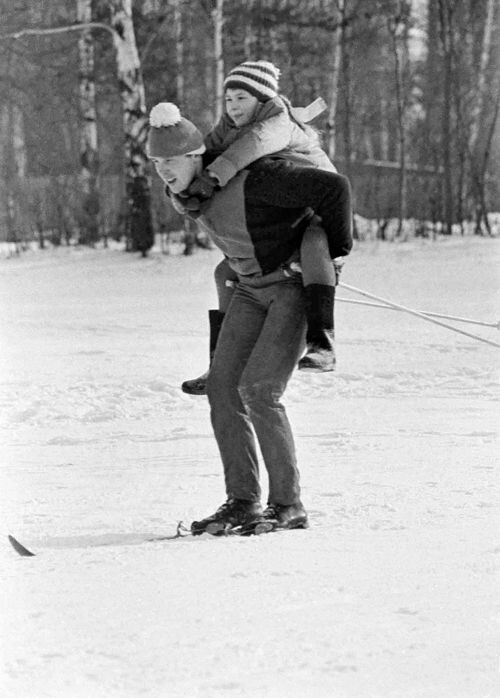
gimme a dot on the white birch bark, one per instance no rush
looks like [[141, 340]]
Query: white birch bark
[[398, 30], [218, 22], [479, 148], [446, 34], [482, 86], [179, 55], [89, 160], [135, 121], [135, 127], [334, 79], [13, 159], [18, 142]]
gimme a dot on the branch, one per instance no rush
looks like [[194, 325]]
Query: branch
[[60, 30], [152, 38]]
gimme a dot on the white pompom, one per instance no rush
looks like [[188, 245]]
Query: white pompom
[[164, 114]]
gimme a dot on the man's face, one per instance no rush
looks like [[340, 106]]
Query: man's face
[[177, 172]]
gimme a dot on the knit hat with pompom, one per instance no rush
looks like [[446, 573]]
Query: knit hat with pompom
[[170, 134], [260, 78]]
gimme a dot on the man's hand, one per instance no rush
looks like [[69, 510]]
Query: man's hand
[[203, 185]]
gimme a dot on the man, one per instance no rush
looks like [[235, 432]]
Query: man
[[257, 221]]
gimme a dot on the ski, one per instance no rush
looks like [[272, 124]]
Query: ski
[[217, 530], [255, 529], [19, 548]]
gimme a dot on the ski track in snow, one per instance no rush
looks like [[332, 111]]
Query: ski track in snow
[[391, 592]]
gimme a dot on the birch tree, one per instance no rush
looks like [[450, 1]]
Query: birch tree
[[179, 55], [397, 24], [446, 35], [89, 158], [479, 156], [13, 167], [135, 127], [331, 124], [218, 23]]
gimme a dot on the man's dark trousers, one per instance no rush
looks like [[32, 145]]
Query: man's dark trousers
[[261, 341]]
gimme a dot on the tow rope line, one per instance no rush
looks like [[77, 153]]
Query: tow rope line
[[424, 312], [425, 316]]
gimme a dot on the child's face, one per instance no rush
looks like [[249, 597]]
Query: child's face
[[240, 106]]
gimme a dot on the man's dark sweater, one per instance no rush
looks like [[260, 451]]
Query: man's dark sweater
[[253, 220]]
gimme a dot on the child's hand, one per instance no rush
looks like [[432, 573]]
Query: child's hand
[[203, 185], [190, 203], [338, 264], [186, 205]]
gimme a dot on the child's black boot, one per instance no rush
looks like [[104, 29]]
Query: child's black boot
[[320, 353], [198, 386]]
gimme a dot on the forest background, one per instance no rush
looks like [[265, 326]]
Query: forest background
[[411, 88]]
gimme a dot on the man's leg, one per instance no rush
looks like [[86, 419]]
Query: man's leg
[[263, 382], [230, 421]]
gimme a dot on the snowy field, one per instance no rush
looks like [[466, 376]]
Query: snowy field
[[391, 593]]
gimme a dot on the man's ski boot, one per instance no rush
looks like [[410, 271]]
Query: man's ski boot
[[235, 513], [284, 516], [198, 386]]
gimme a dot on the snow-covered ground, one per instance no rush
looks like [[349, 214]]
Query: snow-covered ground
[[393, 590]]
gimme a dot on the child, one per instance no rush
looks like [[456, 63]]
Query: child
[[257, 122]]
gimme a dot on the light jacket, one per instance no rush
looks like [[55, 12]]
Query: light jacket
[[273, 131]]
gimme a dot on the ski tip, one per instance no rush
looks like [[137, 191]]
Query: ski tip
[[19, 548]]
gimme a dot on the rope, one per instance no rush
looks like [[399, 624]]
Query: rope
[[424, 312], [417, 313]]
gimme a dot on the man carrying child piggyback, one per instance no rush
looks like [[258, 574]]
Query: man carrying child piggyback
[[257, 222], [258, 122]]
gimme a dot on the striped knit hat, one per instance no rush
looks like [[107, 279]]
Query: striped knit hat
[[260, 78]]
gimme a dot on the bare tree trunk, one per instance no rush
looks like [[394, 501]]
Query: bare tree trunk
[[189, 237], [179, 55], [346, 75], [446, 31], [249, 31], [334, 80], [385, 126], [13, 161], [135, 125], [478, 170], [218, 22], [395, 24], [461, 147], [89, 159], [13, 168], [482, 87], [347, 94]]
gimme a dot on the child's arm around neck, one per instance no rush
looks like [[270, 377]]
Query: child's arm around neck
[[270, 131]]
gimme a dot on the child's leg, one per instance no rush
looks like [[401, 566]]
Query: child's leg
[[225, 282], [317, 266], [319, 279]]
